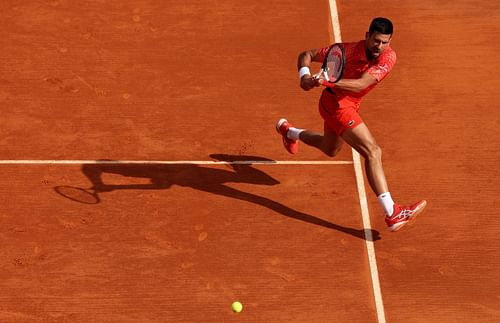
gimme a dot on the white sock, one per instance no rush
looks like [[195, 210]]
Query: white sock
[[294, 133], [387, 203]]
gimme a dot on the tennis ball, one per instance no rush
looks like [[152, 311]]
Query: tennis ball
[[237, 307]]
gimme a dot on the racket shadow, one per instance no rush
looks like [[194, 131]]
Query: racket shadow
[[207, 179], [78, 194]]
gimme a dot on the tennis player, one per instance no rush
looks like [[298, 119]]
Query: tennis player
[[368, 62]]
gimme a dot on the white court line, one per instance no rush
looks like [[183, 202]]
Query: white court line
[[173, 162], [372, 260]]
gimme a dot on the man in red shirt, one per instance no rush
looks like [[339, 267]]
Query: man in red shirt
[[368, 62]]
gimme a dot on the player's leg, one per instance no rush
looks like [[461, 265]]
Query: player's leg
[[364, 143], [328, 142], [361, 139]]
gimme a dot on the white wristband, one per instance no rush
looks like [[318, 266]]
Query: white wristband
[[304, 70]]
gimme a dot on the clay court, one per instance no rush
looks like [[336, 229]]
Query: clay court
[[167, 109]]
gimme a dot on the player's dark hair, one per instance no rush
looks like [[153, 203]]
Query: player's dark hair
[[381, 25]]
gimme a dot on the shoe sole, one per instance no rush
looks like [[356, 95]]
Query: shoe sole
[[411, 219], [279, 123]]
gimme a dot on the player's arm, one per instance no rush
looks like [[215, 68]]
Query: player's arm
[[356, 85], [305, 59], [373, 75]]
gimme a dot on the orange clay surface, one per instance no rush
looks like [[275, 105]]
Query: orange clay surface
[[206, 80]]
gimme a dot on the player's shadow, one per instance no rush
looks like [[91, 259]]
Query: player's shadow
[[211, 180]]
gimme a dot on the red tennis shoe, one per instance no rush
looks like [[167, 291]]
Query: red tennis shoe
[[403, 214], [282, 126]]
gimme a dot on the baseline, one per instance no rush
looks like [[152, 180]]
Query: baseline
[[173, 162]]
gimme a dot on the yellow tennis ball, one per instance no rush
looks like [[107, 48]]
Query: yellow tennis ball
[[237, 307]]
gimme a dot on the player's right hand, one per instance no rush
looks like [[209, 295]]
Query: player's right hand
[[308, 82]]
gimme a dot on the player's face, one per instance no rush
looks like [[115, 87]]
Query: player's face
[[376, 43]]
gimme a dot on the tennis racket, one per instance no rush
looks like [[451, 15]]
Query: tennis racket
[[333, 66]]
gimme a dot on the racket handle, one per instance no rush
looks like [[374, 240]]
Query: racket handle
[[319, 77], [326, 83]]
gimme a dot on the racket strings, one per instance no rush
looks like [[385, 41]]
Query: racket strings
[[333, 66]]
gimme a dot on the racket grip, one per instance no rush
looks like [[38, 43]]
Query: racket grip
[[326, 83]]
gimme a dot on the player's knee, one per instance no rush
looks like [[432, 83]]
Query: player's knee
[[374, 152], [331, 152]]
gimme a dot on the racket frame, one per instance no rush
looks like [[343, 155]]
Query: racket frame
[[322, 74]]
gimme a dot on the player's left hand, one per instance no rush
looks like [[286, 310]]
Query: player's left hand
[[307, 82]]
